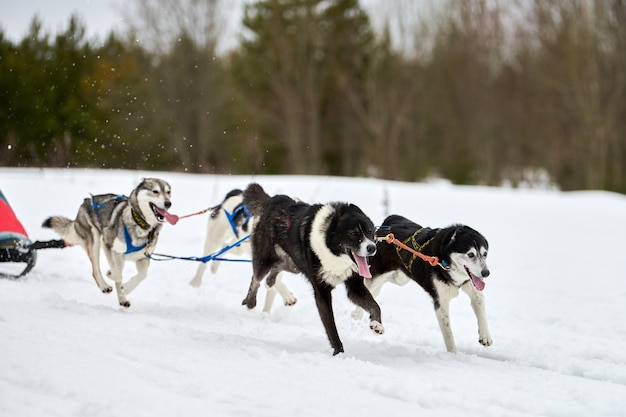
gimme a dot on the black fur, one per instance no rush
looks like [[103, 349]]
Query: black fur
[[282, 241]]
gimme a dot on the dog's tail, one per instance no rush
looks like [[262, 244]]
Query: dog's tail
[[254, 198], [64, 227]]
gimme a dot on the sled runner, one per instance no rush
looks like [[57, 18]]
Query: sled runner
[[15, 246]]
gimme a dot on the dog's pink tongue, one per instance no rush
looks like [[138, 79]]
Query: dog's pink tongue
[[478, 282], [171, 218], [361, 263]]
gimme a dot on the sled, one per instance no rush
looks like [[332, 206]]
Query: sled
[[15, 245]]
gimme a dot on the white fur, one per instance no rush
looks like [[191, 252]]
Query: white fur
[[375, 285], [478, 305], [446, 294], [335, 269], [460, 261]]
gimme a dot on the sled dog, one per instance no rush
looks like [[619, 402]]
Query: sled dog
[[228, 223], [327, 243], [126, 228], [462, 252]]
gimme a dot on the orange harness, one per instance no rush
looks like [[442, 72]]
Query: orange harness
[[432, 260]]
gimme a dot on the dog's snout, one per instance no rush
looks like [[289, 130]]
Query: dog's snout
[[168, 204], [485, 273], [371, 249]]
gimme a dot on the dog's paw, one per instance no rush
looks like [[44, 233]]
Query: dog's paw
[[250, 303], [377, 327], [337, 350], [290, 301], [106, 289], [196, 282], [485, 340], [125, 303]]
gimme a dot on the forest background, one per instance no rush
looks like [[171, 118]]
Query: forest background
[[474, 91]]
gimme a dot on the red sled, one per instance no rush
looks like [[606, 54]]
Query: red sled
[[15, 246]]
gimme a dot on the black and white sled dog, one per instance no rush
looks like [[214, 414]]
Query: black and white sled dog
[[462, 252], [228, 223], [126, 228], [327, 243]]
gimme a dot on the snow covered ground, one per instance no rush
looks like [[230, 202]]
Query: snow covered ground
[[555, 304]]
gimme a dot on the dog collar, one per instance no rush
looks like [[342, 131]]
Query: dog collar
[[141, 222]]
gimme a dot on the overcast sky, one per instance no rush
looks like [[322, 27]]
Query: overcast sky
[[102, 16], [99, 16]]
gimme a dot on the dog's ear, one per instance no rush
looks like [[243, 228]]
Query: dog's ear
[[356, 208], [447, 240]]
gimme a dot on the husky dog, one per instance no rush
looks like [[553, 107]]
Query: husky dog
[[228, 223], [126, 228], [462, 252], [327, 243]]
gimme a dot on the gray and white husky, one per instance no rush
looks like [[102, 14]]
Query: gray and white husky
[[229, 222], [126, 228], [462, 252]]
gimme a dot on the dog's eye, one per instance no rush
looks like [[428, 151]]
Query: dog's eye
[[470, 255], [155, 192], [485, 255]]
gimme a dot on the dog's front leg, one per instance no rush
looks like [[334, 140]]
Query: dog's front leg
[[284, 292], [478, 305], [374, 285], [209, 247], [442, 311], [363, 298], [324, 302], [273, 284], [142, 271], [196, 281]]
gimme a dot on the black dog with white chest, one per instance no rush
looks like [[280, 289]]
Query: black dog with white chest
[[462, 254], [327, 243]]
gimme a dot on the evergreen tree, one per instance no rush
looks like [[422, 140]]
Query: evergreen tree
[[292, 70]]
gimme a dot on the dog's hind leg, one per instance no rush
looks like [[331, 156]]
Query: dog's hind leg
[[260, 270], [250, 300], [478, 305], [116, 266], [442, 310], [93, 251], [362, 297]]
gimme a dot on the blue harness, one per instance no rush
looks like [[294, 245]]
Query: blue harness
[[231, 217], [130, 248]]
